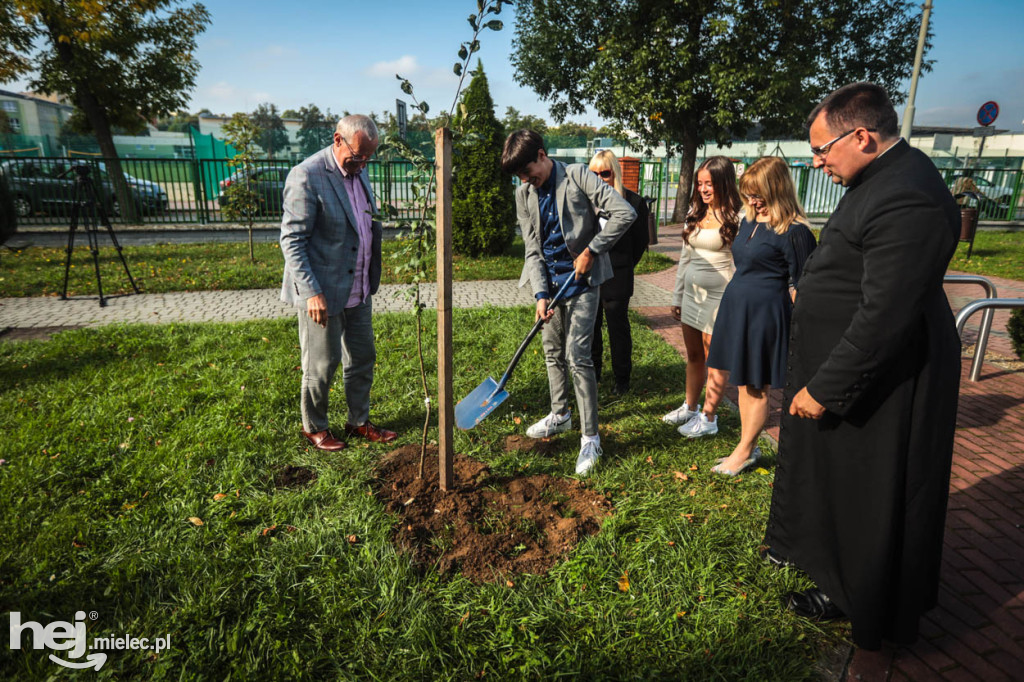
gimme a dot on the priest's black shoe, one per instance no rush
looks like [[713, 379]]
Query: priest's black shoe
[[813, 604]]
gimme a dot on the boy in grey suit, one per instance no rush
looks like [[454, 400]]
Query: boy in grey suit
[[557, 207], [332, 255]]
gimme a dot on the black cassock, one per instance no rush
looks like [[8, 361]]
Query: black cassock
[[859, 499]]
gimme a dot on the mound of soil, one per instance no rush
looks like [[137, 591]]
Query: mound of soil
[[486, 526], [526, 444]]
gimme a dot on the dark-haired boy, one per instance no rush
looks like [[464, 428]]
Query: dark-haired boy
[[558, 207]]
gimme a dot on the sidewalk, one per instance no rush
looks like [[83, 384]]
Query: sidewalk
[[976, 632]]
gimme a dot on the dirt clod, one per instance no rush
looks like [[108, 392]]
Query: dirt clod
[[293, 477], [486, 526]]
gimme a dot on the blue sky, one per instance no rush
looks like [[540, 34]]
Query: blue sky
[[344, 55]]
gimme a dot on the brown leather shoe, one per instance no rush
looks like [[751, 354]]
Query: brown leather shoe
[[324, 440], [371, 432]]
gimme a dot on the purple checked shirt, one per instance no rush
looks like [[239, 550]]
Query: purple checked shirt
[[357, 196]]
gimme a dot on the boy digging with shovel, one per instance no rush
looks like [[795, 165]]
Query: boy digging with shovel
[[558, 207]]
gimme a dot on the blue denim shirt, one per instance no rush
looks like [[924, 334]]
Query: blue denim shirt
[[556, 253]]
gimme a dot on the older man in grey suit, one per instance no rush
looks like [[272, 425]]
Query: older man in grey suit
[[332, 257]]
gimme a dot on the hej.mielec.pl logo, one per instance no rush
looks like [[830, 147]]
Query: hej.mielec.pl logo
[[71, 637]]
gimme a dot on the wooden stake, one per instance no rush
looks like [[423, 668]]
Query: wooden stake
[[446, 409]]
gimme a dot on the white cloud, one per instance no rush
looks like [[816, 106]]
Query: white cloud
[[222, 96], [404, 66]]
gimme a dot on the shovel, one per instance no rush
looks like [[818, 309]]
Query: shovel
[[472, 409]]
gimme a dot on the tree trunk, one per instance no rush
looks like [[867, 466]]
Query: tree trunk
[[686, 163], [97, 118], [100, 124]]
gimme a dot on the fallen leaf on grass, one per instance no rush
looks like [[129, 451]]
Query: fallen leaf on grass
[[271, 529], [266, 340], [650, 460], [761, 470], [624, 581], [680, 476], [693, 493], [680, 614], [463, 619], [352, 539], [509, 583], [517, 420], [693, 467], [77, 545], [671, 543], [218, 497], [195, 520]]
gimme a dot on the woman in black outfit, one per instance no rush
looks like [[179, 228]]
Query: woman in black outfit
[[616, 292]]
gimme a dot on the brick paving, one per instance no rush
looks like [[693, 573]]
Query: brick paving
[[977, 630]]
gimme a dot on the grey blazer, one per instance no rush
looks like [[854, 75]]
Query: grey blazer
[[580, 197], [319, 240]]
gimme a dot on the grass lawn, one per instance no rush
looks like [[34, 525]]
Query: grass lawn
[[115, 437], [201, 267], [998, 254]]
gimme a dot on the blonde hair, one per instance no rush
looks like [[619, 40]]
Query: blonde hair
[[606, 160], [769, 178]]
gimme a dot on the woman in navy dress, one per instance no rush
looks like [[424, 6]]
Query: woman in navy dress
[[752, 330]]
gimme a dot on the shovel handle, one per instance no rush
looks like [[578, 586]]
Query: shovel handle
[[533, 332]]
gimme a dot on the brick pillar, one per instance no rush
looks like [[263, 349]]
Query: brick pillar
[[630, 173]]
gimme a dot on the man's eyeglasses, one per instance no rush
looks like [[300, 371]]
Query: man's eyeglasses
[[605, 174], [824, 149], [353, 157]]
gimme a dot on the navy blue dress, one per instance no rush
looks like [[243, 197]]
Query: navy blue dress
[[751, 334]]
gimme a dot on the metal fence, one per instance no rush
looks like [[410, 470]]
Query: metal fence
[[188, 191]]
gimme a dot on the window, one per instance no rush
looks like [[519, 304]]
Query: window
[[9, 106]]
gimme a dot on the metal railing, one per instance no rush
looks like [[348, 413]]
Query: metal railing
[[986, 319], [986, 304], [190, 190]]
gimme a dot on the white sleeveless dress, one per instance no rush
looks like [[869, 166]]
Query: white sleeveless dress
[[705, 268]]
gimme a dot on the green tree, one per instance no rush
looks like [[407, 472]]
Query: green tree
[[242, 199], [516, 121], [272, 134], [122, 62], [317, 129], [178, 123], [570, 129], [483, 204], [686, 72]]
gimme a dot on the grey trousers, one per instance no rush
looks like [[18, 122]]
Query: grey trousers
[[348, 339], [566, 338]]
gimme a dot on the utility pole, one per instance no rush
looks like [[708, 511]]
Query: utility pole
[[908, 113]]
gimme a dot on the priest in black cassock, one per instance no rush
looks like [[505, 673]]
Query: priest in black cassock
[[860, 491]]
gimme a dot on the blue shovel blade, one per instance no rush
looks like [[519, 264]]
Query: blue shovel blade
[[472, 409]]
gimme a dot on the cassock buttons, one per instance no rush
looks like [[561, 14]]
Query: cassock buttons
[[351, 271]]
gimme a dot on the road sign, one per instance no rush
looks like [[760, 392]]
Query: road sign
[[988, 113]]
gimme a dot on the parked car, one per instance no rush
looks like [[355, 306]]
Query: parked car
[[48, 186], [993, 200], [267, 182]]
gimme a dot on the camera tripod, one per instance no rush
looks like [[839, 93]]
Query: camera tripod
[[90, 209]]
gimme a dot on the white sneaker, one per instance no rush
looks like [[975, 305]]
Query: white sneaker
[[701, 426], [681, 415], [590, 452], [550, 425]]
